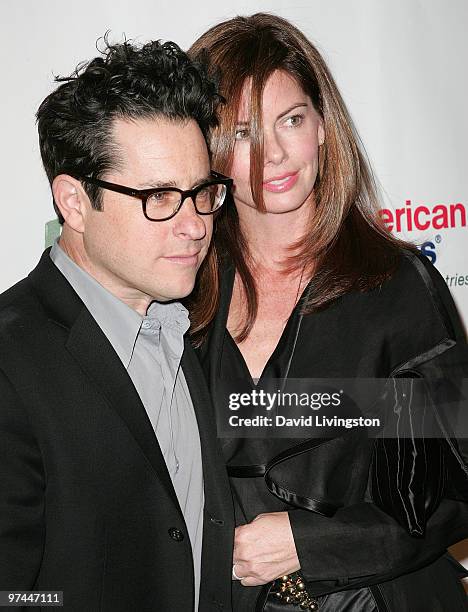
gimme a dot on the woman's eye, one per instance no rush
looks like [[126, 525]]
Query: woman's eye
[[294, 120], [242, 134]]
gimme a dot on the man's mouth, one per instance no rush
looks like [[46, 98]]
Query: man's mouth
[[184, 259]]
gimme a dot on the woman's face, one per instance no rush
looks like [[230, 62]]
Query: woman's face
[[292, 133]]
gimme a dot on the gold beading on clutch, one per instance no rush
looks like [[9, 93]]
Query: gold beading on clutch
[[291, 589]]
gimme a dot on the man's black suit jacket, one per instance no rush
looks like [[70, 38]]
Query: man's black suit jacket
[[87, 506]]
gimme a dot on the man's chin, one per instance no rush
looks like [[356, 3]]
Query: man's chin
[[173, 294]]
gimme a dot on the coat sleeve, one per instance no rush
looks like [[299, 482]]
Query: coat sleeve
[[421, 510], [21, 494], [362, 545], [416, 466], [366, 543]]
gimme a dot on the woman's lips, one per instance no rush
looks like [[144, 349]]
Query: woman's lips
[[281, 183]]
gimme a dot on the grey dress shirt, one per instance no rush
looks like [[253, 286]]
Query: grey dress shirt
[[151, 348]]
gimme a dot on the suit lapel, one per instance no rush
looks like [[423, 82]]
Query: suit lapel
[[97, 358], [211, 350], [218, 524], [95, 354], [214, 471]]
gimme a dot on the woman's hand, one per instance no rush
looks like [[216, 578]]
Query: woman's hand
[[264, 549]]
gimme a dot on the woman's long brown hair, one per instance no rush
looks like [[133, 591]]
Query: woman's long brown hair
[[346, 247]]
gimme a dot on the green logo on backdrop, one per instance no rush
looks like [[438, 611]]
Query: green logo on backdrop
[[52, 232]]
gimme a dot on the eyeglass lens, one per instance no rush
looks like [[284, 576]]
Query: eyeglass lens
[[164, 203]]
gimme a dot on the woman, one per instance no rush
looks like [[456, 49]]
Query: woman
[[312, 286]]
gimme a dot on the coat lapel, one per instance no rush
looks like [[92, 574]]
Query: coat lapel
[[218, 523], [95, 354], [217, 492], [97, 358]]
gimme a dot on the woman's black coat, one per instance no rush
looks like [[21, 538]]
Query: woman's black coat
[[371, 524]]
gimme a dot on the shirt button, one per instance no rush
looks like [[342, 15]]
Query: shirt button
[[176, 534], [146, 324]]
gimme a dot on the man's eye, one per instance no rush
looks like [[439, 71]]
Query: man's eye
[[162, 197], [205, 193], [294, 120], [242, 134]]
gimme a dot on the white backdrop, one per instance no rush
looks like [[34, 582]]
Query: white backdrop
[[400, 64]]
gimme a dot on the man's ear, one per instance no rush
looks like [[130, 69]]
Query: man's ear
[[72, 201]]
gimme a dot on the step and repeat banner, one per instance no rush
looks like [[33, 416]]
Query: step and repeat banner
[[401, 66]]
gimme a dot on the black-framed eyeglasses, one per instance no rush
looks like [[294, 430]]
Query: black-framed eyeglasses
[[162, 203]]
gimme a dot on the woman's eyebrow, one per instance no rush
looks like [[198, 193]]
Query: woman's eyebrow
[[291, 108], [287, 111]]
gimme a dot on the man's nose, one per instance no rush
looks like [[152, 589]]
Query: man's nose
[[188, 223]]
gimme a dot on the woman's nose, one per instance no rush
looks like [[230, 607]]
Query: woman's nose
[[273, 149]]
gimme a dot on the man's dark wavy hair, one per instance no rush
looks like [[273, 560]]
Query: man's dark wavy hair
[[154, 80]]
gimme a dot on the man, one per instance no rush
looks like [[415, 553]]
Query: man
[[110, 477]]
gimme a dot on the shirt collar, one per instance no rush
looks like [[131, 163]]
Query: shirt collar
[[170, 314], [120, 323]]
